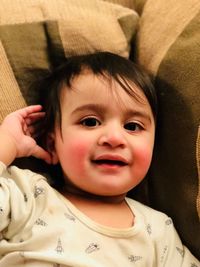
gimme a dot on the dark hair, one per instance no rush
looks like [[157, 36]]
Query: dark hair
[[106, 64]]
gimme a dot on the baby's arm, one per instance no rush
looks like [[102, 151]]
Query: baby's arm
[[169, 248], [17, 135]]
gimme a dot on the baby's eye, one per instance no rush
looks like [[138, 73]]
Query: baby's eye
[[90, 122], [133, 126]]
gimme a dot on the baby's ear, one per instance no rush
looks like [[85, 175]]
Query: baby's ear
[[50, 147]]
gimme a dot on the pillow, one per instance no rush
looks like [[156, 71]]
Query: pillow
[[167, 45], [31, 31], [126, 3]]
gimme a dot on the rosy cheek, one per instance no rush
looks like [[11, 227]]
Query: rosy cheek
[[144, 156], [77, 153]]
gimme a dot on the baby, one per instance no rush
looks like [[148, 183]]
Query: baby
[[98, 125]]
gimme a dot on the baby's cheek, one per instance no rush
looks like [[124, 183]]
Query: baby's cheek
[[78, 152], [144, 156]]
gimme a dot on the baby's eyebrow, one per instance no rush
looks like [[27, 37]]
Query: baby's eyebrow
[[139, 113], [94, 107]]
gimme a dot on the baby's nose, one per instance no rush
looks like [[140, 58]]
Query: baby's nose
[[112, 136]]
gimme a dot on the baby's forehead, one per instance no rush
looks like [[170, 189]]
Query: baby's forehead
[[114, 85], [88, 87]]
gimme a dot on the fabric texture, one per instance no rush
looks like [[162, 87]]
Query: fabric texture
[[44, 229], [125, 3], [32, 31], [167, 45], [198, 166]]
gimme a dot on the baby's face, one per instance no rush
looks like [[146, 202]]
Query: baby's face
[[105, 147]]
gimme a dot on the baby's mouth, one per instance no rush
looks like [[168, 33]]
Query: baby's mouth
[[109, 162]]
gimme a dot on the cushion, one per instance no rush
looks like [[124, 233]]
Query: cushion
[[32, 31], [126, 3], [167, 45]]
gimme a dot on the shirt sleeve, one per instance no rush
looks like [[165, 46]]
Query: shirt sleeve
[[171, 251], [18, 197]]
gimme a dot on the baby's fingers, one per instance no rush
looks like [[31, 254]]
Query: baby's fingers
[[33, 124], [34, 117], [40, 153], [25, 112]]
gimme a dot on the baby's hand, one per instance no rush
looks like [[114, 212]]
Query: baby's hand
[[18, 132]]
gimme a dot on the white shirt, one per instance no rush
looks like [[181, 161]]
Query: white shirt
[[40, 227]]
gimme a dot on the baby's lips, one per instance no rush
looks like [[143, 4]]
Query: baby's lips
[[111, 158]]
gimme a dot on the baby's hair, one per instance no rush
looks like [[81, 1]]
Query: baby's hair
[[111, 66]]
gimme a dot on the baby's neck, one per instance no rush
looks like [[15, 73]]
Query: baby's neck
[[109, 211]]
